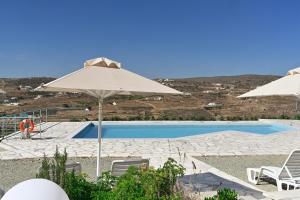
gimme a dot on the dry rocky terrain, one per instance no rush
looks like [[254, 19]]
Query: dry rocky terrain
[[205, 98]]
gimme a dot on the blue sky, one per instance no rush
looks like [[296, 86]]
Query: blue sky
[[154, 38]]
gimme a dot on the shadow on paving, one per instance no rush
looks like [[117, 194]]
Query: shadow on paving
[[43, 138], [205, 182]]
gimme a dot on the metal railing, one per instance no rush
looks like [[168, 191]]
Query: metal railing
[[10, 124]]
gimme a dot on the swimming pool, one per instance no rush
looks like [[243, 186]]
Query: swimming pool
[[175, 130]]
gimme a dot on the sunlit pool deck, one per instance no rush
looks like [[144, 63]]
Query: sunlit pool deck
[[157, 149]]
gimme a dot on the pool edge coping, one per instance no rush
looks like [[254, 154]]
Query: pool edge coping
[[77, 131]]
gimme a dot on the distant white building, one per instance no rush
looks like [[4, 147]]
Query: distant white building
[[220, 88], [2, 91], [217, 84], [59, 94], [157, 98], [2, 95], [38, 97], [212, 105], [208, 91], [14, 104], [186, 94], [13, 99], [25, 88]]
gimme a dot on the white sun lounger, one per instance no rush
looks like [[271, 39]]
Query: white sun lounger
[[120, 167], [288, 174]]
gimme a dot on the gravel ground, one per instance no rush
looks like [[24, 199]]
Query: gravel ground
[[16, 171], [237, 165]]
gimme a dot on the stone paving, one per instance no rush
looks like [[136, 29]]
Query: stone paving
[[158, 150]]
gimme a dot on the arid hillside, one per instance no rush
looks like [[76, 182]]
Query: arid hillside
[[205, 98]]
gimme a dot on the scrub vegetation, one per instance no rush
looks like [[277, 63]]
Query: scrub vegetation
[[149, 184], [224, 194]]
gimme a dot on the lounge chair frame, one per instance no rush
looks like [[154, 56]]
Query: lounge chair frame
[[288, 175], [120, 167]]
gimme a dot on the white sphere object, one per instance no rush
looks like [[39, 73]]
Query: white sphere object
[[36, 189]]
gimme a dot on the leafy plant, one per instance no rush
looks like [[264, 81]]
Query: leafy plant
[[297, 117], [58, 167], [227, 194], [106, 181], [115, 118], [129, 186], [283, 116], [150, 184], [142, 184], [168, 175], [54, 170], [224, 194], [44, 171], [77, 187], [74, 119]]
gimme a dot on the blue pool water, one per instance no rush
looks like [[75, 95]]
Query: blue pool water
[[174, 131]]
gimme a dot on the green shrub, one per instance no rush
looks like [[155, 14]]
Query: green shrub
[[135, 118], [198, 118], [212, 119], [174, 118], [54, 170], [159, 118], [73, 119], [78, 188], [227, 194], [283, 116], [139, 118], [147, 117], [167, 176], [165, 117], [224, 194], [106, 182], [129, 186], [116, 118], [66, 105], [44, 171], [150, 184], [297, 117], [254, 118]]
